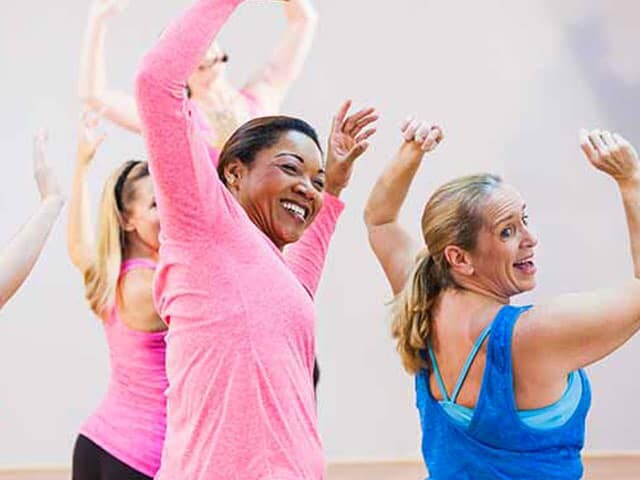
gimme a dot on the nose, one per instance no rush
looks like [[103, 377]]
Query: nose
[[305, 188], [530, 239]]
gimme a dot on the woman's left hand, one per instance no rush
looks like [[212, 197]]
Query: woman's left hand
[[348, 140]]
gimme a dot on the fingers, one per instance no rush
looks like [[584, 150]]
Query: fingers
[[427, 135], [587, 147], [338, 119], [355, 123], [434, 137], [357, 151], [366, 135]]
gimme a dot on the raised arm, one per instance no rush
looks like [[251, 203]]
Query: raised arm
[[392, 245], [348, 140], [116, 106], [179, 161], [574, 331], [19, 257], [271, 83], [80, 241]]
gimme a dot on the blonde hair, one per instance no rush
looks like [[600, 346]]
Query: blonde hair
[[453, 216], [101, 279]]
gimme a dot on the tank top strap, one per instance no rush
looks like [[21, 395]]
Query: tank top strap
[[472, 356], [136, 263], [465, 369]]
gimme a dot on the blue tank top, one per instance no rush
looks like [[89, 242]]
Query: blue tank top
[[497, 443]]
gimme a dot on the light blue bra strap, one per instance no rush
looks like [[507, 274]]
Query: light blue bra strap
[[436, 372], [470, 359]]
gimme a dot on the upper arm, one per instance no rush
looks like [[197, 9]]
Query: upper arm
[[306, 257], [395, 250], [574, 331], [136, 306]]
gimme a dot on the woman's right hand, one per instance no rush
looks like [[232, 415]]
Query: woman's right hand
[[611, 154], [105, 9], [46, 181], [420, 137], [88, 140]]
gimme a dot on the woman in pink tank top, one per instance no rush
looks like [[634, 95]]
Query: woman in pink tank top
[[123, 438], [241, 342], [223, 106]]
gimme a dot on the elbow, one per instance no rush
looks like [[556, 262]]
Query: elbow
[[307, 20], [145, 80], [373, 218]]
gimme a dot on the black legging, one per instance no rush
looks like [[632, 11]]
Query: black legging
[[90, 462]]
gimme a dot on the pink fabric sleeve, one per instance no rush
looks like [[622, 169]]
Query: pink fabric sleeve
[[307, 256], [179, 162]]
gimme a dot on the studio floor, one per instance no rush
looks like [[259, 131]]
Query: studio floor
[[624, 467]]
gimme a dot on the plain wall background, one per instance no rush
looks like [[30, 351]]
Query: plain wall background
[[512, 82]]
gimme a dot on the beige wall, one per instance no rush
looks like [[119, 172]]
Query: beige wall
[[511, 82]]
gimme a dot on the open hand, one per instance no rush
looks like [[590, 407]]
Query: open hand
[[47, 184], [88, 139], [348, 140]]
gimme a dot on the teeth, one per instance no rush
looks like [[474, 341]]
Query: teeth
[[296, 209]]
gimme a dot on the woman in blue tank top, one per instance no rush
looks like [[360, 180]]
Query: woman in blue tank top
[[500, 389]]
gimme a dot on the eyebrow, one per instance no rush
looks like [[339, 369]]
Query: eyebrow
[[297, 157], [508, 217]]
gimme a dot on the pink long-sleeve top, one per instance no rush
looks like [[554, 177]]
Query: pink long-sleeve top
[[130, 421], [241, 342]]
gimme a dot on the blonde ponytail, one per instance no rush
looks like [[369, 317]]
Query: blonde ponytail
[[101, 280], [453, 216]]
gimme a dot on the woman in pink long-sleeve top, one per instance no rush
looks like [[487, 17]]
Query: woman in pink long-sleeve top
[[240, 347]]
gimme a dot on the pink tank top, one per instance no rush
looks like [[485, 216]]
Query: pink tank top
[[130, 422]]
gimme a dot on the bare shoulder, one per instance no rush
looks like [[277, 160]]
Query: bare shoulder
[[137, 309]]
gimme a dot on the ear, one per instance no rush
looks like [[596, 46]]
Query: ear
[[234, 172], [128, 225], [459, 260]]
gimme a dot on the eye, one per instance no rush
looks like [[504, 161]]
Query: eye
[[319, 184], [506, 232], [525, 220], [290, 169]]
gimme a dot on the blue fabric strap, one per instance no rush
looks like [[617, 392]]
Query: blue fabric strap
[[465, 369], [470, 359], [436, 372]]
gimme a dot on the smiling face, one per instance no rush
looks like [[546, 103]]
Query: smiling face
[[503, 259], [281, 189]]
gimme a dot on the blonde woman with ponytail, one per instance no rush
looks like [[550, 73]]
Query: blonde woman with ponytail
[[123, 438], [500, 389]]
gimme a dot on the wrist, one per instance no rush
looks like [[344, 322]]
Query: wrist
[[629, 185], [335, 190], [53, 201]]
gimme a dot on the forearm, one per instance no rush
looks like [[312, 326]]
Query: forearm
[[92, 77], [79, 231], [307, 256], [391, 189], [631, 200], [19, 257], [184, 43], [271, 82]]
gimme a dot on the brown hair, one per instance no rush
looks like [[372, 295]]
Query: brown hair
[[259, 134], [453, 216]]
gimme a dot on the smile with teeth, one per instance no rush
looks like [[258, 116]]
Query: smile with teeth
[[296, 210]]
